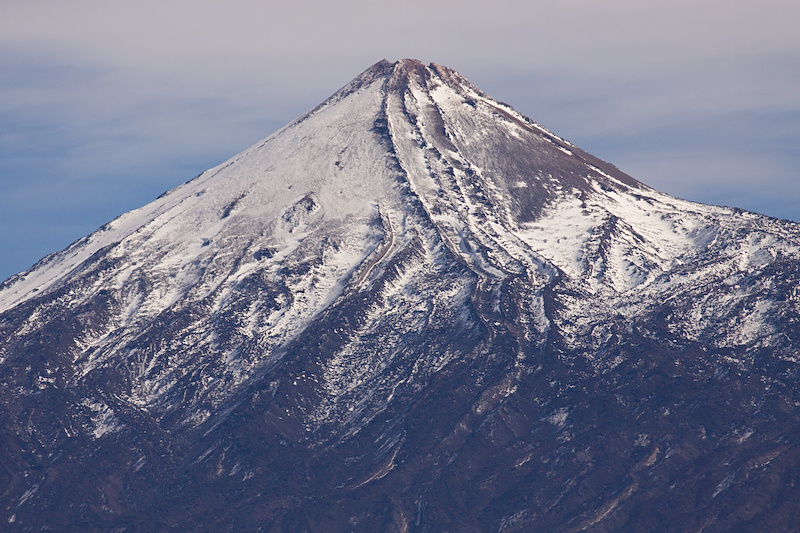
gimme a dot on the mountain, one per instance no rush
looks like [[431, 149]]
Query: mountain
[[412, 309]]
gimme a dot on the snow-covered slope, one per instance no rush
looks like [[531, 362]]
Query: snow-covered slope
[[406, 229]]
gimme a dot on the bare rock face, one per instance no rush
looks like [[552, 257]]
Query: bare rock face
[[412, 309]]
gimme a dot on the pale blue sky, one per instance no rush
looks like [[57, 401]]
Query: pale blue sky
[[105, 105]]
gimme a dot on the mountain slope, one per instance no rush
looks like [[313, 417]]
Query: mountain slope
[[411, 309]]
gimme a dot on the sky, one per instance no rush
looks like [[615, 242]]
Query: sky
[[106, 105]]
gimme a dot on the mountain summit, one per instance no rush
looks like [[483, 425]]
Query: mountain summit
[[411, 309]]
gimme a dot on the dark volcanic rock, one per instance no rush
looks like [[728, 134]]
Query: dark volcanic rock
[[412, 309]]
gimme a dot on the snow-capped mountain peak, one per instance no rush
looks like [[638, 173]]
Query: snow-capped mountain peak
[[410, 272]]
